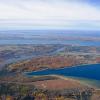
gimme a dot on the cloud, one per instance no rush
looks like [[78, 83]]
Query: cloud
[[49, 12]]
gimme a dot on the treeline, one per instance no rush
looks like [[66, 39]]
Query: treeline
[[13, 91]]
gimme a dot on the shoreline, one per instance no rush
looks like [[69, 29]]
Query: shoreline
[[85, 81], [81, 81], [90, 82], [60, 68]]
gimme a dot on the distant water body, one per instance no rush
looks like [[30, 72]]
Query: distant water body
[[43, 41], [47, 33]]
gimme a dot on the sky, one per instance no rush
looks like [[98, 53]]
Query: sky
[[50, 14]]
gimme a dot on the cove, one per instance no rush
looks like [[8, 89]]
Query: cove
[[84, 71]]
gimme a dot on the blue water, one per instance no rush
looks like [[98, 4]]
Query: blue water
[[45, 41], [84, 71], [16, 37]]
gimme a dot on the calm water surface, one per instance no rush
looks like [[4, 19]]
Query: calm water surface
[[84, 71], [45, 41]]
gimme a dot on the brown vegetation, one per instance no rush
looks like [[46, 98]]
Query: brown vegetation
[[98, 59], [47, 62], [59, 84]]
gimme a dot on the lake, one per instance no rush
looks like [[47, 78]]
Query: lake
[[90, 72], [16, 37], [37, 41]]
